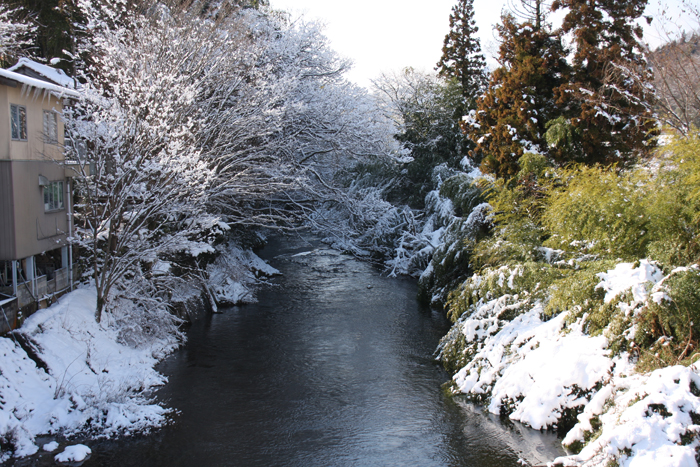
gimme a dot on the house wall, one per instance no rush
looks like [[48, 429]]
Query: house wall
[[25, 229], [7, 211], [36, 231], [35, 148]]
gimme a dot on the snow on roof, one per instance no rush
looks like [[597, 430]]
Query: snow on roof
[[59, 91], [52, 74]]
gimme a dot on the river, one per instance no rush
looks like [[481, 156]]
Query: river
[[333, 367]]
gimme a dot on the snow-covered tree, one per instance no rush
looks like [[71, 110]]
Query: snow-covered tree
[[461, 52], [16, 33], [512, 116], [607, 100], [144, 184], [194, 122], [426, 111]]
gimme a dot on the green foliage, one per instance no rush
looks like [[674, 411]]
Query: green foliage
[[532, 166], [514, 242], [461, 52], [599, 210], [523, 282], [577, 291], [455, 352], [563, 135], [669, 328], [629, 214], [674, 210], [463, 192], [430, 112]]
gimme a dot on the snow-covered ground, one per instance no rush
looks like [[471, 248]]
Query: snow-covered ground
[[84, 377], [91, 382]]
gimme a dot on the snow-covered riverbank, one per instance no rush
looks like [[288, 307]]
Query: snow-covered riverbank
[[542, 370], [90, 383], [73, 375]]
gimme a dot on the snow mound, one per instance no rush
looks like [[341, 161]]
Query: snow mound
[[75, 453], [50, 447]]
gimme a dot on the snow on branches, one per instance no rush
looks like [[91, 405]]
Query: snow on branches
[[15, 34], [192, 124]]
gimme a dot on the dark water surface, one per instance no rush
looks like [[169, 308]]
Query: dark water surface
[[333, 367]]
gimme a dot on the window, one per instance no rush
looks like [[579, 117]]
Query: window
[[19, 122], [53, 196], [50, 127]]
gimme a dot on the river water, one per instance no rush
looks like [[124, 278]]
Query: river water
[[333, 367]]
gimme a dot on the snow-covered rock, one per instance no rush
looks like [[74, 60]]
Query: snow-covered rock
[[75, 453]]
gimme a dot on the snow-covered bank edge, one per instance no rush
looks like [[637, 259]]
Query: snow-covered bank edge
[[91, 383], [546, 371], [64, 374]]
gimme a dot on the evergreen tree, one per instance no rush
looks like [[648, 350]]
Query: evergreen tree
[[55, 32], [607, 114], [511, 117], [461, 53], [16, 34], [427, 111]]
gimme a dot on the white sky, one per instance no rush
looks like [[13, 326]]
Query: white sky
[[389, 35]]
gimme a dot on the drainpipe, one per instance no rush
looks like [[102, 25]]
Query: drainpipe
[[30, 271], [69, 213], [14, 277]]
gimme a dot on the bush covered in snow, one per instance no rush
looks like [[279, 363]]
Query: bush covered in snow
[[580, 309], [232, 277]]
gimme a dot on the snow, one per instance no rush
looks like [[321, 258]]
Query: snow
[[536, 369], [75, 453], [54, 74], [626, 277], [50, 447], [235, 273], [636, 423], [92, 382], [516, 362], [60, 91]]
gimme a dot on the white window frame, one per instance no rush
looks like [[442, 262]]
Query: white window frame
[[54, 196], [50, 127], [18, 122]]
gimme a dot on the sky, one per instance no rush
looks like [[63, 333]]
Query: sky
[[390, 35]]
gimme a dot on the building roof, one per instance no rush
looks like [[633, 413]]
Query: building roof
[[33, 69], [44, 84]]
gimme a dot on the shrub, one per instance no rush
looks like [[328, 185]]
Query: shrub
[[668, 329], [599, 209], [674, 210]]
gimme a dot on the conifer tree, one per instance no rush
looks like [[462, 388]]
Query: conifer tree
[[607, 101], [56, 28], [427, 111], [511, 117], [461, 53]]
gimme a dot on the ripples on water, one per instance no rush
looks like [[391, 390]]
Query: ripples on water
[[333, 367]]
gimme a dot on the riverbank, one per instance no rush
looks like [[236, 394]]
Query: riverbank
[[64, 374], [78, 379]]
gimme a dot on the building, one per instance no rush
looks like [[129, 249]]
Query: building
[[35, 189]]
